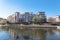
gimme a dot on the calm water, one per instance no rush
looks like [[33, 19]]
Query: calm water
[[29, 34]]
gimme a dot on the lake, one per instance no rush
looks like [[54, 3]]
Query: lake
[[29, 34]]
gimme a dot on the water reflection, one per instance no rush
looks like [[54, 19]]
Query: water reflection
[[31, 34], [4, 35]]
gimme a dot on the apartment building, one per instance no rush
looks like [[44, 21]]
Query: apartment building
[[14, 18], [26, 17]]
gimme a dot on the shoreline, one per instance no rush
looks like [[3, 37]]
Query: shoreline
[[17, 26]]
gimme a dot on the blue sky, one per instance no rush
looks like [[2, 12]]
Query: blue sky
[[8, 7]]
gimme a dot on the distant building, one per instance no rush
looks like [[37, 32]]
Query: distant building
[[51, 19], [19, 18], [27, 17], [17, 14], [54, 19], [42, 17], [1, 19], [57, 18], [14, 18]]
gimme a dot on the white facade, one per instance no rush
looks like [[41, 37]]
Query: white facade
[[14, 18], [17, 17], [57, 18], [17, 14], [54, 19], [27, 16]]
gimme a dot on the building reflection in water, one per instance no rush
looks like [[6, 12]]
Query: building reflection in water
[[30, 34]]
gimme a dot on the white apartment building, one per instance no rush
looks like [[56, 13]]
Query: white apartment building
[[14, 18], [57, 18], [27, 16]]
